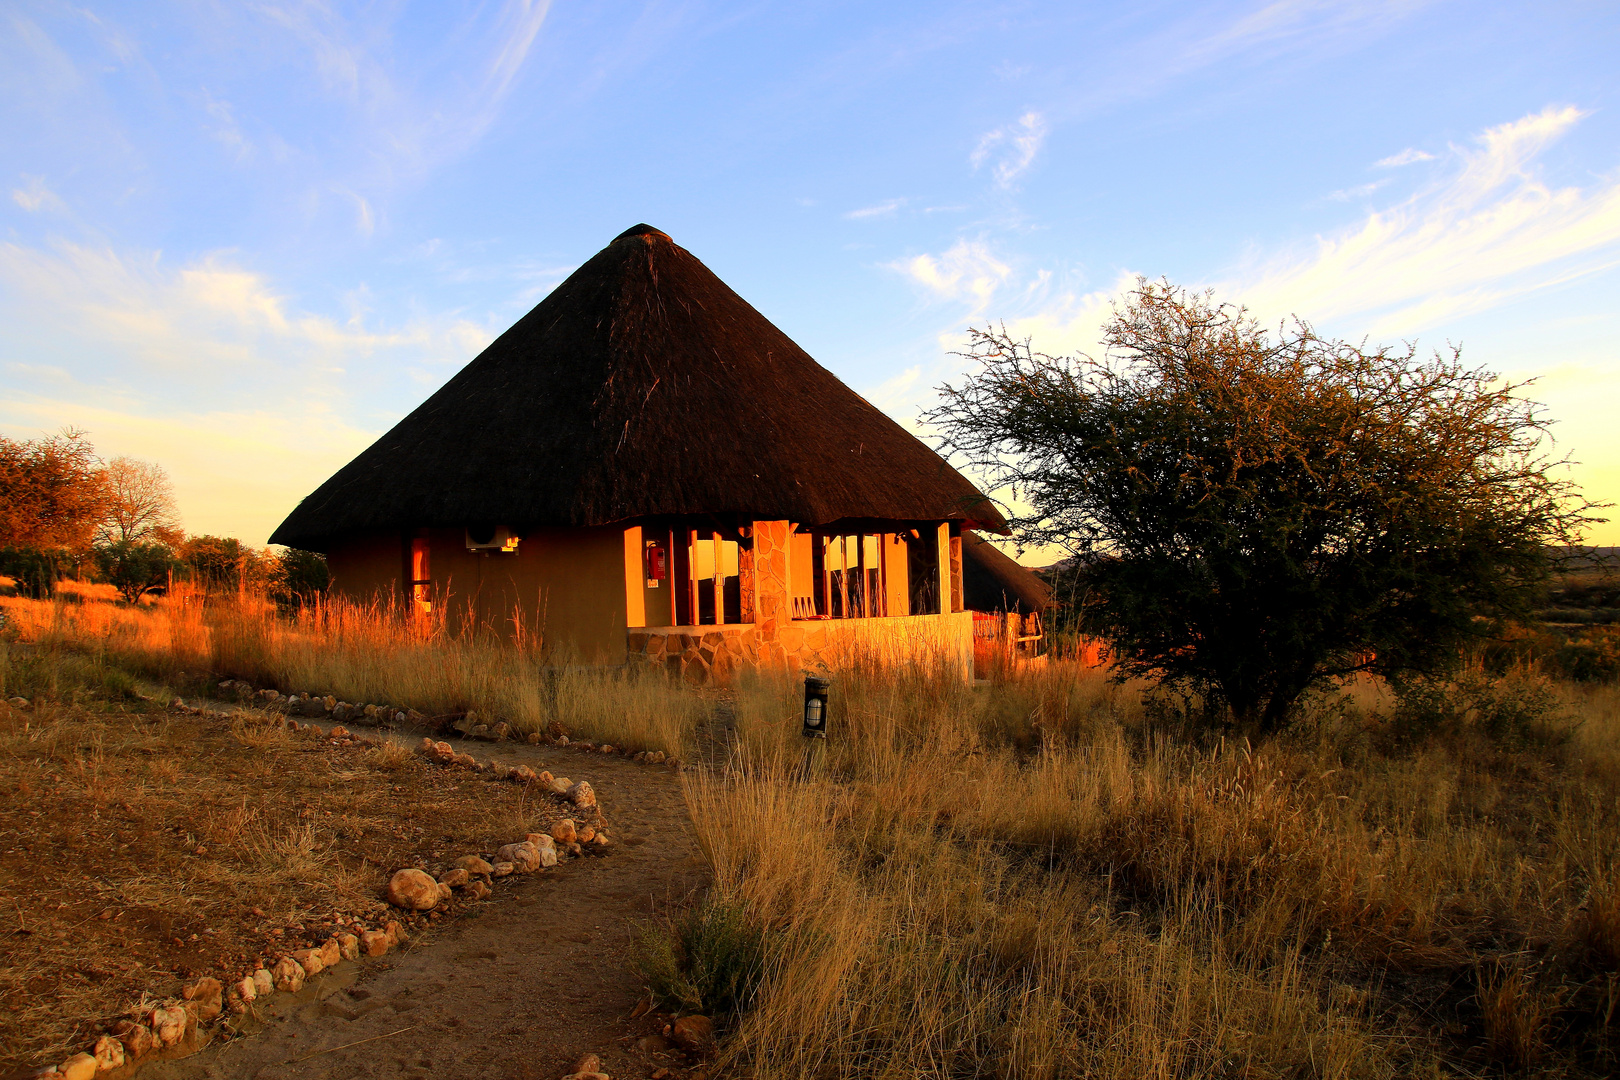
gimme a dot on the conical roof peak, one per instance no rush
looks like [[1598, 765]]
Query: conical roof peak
[[642, 230], [641, 386]]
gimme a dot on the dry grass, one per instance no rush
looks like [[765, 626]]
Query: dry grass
[[136, 842], [371, 654], [1053, 875], [1048, 878]]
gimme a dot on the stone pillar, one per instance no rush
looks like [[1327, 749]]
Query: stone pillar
[[773, 604]]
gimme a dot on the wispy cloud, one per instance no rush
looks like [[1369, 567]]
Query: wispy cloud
[[1409, 156], [407, 127], [882, 209], [224, 128], [1286, 23], [365, 221], [520, 22], [1011, 150], [211, 369], [209, 328], [34, 196], [1360, 191], [1490, 231], [967, 271]]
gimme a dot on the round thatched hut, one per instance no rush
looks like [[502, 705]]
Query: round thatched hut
[[644, 467]]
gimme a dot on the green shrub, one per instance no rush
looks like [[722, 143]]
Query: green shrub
[[1511, 711], [40, 674], [707, 960], [1591, 656]]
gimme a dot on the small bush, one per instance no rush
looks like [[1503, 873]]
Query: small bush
[[1513, 712], [707, 960], [1587, 654], [52, 676]]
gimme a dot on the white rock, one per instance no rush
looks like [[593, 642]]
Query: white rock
[[77, 1067], [413, 890], [474, 864], [169, 1024], [310, 960], [109, 1054], [546, 846], [349, 946], [264, 982], [582, 795], [289, 975], [524, 857]]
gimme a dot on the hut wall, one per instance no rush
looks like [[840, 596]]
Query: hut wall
[[367, 569], [567, 584]]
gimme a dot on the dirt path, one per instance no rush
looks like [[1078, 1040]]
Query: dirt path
[[518, 988]]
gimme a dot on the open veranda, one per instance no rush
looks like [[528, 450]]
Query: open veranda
[[1046, 874]]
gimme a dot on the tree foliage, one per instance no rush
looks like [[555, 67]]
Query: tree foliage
[[225, 564], [1259, 513], [134, 567], [53, 493], [140, 504], [299, 576]]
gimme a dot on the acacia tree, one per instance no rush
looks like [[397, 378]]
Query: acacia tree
[[52, 492], [135, 567], [1260, 513], [140, 504]]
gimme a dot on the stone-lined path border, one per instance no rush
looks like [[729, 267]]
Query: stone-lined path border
[[521, 987], [171, 1029]]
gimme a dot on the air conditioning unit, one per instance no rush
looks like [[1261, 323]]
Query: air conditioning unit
[[491, 538]]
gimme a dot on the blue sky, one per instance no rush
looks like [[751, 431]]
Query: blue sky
[[243, 239]]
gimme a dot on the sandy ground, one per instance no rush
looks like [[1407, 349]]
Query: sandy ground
[[520, 987]]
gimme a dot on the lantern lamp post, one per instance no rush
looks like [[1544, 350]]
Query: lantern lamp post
[[815, 707]]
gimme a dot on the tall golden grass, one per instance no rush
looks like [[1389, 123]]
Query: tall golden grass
[[1053, 874], [1050, 877], [372, 653]]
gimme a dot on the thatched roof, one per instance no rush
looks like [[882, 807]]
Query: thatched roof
[[992, 581], [641, 386]]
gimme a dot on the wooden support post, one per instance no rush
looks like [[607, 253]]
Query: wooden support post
[[956, 574], [719, 581], [843, 576], [680, 577], [818, 571]]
